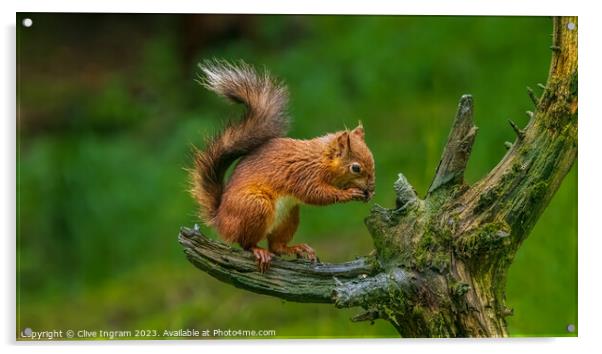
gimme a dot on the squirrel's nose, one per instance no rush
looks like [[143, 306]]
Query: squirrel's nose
[[369, 193]]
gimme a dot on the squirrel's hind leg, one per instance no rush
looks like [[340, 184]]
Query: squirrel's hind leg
[[279, 238], [246, 224], [264, 258]]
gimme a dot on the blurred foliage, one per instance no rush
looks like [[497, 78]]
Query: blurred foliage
[[108, 109]]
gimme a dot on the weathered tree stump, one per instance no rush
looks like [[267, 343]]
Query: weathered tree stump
[[441, 262]]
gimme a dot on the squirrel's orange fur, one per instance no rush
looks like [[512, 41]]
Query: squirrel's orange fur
[[275, 174]]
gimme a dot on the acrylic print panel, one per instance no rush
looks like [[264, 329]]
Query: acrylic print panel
[[110, 105]]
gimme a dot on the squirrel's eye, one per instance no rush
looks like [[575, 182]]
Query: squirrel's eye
[[355, 167]]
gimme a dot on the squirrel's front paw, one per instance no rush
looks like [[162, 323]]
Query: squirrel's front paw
[[357, 194]]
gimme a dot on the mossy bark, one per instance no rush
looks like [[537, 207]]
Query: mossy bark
[[441, 262]]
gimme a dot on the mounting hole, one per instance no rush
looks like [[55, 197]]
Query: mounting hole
[[570, 328], [27, 22], [571, 26]]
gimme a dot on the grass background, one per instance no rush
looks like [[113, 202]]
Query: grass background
[[107, 110]]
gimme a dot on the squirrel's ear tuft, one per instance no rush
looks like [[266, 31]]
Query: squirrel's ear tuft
[[342, 144], [358, 131]]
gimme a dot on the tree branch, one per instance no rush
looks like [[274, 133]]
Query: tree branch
[[519, 188], [458, 147], [298, 280]]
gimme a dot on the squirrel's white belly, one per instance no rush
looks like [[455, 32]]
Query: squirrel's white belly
[[282, 209]]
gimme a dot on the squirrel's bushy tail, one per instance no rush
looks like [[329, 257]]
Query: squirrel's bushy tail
[[264, 119]]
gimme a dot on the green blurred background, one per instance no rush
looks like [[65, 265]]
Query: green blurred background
[[108, 110]]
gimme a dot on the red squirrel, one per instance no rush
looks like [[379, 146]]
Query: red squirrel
[[275, 174]]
